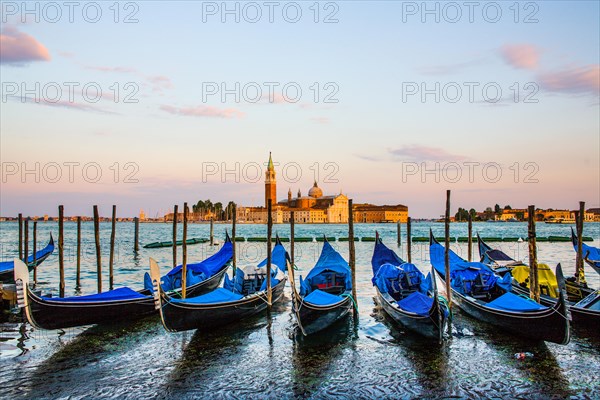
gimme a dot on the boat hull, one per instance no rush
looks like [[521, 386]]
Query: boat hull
[[45, 314], [178, 317], [581, 317], [430, 326], [551, 324], [313, 318]]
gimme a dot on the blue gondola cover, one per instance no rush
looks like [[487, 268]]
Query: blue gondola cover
[[329, 261], [196, 272], [279, 256], [417, 303], [219, 295], [383, 255], [10, 265], [512, 302], [123, 293], [321, 298]]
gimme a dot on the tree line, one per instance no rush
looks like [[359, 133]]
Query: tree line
[[487, 214], [216, 210]]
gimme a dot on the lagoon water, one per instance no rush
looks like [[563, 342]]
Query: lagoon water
[[264, 357]]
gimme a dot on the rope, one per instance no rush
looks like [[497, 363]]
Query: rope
[[444, 301], [351, 298]]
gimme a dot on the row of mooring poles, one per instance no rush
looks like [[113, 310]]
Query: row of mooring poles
[[24, 247]]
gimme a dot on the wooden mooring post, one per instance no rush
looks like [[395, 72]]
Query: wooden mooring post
[[233, 233], [184, 252], [112, 247], [34, 253], [534, 287], [447, 254], [20, 219], [470, 239], [78, 275], [61, 252], [269, 235], [98, 249], [352, 252], [136, 234], [409, 240], [175, 207]]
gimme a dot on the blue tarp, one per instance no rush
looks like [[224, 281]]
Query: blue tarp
[[329, 261], [10, 265], [123, 293], [219, 295], [383, 255], [389, 274], [512, 302], [417, 303], [196, 272], [462, 272], [278, 257], [321, 298]]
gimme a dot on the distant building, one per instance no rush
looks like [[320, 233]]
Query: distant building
[[315, 207], [142, 215], [370, 213]]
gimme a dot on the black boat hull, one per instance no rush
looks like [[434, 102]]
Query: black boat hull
[[44, 314], [588, 319], [581, 317], [430, 326], [551, 325], [178, 317], [312, 318]]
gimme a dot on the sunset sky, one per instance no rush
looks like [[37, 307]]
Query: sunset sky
[[370, 132]]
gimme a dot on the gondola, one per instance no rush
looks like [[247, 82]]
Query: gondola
[[188, 242], [124, 303], [7, 273], [406, 295], [503, 264], [585, 307], [201, 277], [241, 297], [591, 255], [479, 292], [325, 295]]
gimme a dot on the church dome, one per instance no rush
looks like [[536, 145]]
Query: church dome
[[315, 191]]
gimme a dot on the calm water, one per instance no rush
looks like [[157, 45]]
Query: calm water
[[262, 357]]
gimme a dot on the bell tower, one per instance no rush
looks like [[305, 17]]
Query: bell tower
[[270, 184]]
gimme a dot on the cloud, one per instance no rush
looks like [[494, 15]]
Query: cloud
[[203, 111], [124, 70], [320, 120], [64, 104], [424, 153], [523, 56], [368, 158], [160, 81], [20, 48], [575, 80]]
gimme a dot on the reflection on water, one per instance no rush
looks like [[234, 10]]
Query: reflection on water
[[263, 356], [314, 356]]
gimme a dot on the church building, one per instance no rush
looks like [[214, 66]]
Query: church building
[[310, 209]]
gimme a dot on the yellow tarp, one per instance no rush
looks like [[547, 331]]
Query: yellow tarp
[[548, 283]]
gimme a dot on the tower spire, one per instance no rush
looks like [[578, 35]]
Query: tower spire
[[270, 166]]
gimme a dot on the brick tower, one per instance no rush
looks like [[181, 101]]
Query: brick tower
[[270, 184]]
